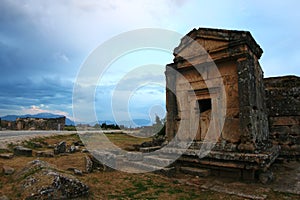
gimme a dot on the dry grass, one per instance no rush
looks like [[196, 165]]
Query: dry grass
[[121, 185]]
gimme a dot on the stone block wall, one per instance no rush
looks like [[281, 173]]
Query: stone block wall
[[236, 56], [34, 124], [40, 123], [283, 104]]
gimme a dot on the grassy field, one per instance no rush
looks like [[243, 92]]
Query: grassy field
[[114, 184]]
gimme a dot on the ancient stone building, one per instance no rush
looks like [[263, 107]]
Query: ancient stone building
[[35, 124], [40, 123], [227, 86], [283, 103], [9, 125]]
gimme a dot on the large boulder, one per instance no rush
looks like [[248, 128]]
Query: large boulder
[[40, 180], [8, 170]]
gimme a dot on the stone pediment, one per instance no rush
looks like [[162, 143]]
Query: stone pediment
[[219, 43]]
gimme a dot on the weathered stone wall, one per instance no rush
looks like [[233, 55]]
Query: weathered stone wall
[[40, 123], [253, 116], [9, 125], [283, 103], [236, 55], [35, 124]]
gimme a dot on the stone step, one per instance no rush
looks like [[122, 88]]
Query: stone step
[[158, 161], [139, 166], [195, 171], [149, 149]]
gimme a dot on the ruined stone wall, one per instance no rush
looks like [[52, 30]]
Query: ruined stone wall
[[34, 124], [40, 123], [9, 125], [283, 103]]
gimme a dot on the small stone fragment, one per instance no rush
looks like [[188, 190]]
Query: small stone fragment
[[8, 170], [72, 149], [60, 148], [6, 155], [88, 164], [47, 154]]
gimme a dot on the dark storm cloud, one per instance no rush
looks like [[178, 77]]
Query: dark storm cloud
[[27, 92], [34, 70], [26, 49]]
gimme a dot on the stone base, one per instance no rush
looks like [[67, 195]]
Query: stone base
[[234, 164]]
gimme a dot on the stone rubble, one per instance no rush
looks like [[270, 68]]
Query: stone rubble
[[44, 181], [60, 148], [22, 151]]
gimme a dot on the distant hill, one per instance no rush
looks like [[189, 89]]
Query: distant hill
[[39, 115], [133, 124]]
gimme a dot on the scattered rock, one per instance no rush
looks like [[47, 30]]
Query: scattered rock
[[47, 154], [77, 172], [36, 144], [7, 155], [3, 197], [72, 149], [155, 142], [50, 146], [78, 143], [8, 170], [22, 151], [84, 151], [49, 183], [88, 164], [60, 148]]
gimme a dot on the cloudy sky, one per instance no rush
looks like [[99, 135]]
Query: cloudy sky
[[43, 44]]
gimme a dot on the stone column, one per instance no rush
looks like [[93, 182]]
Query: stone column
[[171, 102], [252, 110]]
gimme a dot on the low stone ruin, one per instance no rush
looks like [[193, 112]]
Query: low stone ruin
[[283, 103], [40, 180], [30, 123]]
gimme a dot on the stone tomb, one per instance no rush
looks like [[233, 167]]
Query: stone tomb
[[195, 96]]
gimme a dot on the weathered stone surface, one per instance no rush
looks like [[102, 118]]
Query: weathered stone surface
[[88, 164], [44, 181], [44, 154], [6, 155], [22, 151], [231, 131], [195, 171], [73, 149], [35, 124], [60, 148], [134, 156], [36, 144], [239, 71], [84, 151], [8, 170], [283, 103], [260, 113]]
